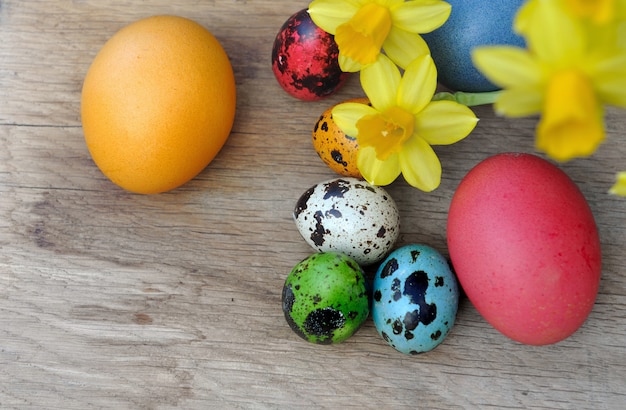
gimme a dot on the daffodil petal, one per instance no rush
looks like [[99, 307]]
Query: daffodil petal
[[552, 34], [610, 81], [420, 166], [614, 93], [519, 102], [599, 11], [507, 66], [418, 84], [375, 171], [346, 115], [380, 82], [523, 17], [445, 122], [347, 64], [388, 3], [620, 10], [621, 32], [402, 47], [328, 14], [603, 38], [420, 16], [620, 185]]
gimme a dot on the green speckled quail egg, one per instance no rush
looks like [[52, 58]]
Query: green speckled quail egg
[[325, 299]]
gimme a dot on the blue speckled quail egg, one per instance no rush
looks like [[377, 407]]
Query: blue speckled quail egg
[[350, 216], [415, 299]]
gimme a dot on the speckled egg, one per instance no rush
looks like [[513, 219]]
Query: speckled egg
[[471, 24], [350, 216], [415, 299], [305, 59], [337, 150], [325, 299]]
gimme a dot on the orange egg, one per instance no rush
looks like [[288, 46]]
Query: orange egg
[[158, 103], [335, 148]]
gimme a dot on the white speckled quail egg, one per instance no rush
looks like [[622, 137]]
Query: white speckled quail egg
[[415, 299], [350, 216]]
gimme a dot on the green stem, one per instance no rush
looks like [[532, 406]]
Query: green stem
[[469, 99]]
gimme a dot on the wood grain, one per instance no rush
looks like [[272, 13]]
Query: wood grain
[[114, 300]]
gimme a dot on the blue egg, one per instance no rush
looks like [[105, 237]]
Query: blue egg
[[415, 299], [471, 24]]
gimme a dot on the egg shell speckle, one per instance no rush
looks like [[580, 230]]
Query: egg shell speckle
[[325, 299], [415, 299], [305, 59], [338, 150], [471, 24], [350, 216]]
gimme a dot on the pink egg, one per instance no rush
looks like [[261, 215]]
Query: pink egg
[[305, 59], [525, 247]]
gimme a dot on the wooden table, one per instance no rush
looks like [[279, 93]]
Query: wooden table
[[110, 299]]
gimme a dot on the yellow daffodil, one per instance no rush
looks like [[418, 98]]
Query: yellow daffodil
[[396, 132], [363, 27], [598, 11], [572, 67], [620, 185]]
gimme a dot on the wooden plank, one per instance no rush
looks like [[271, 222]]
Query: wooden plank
[[115, 300]]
